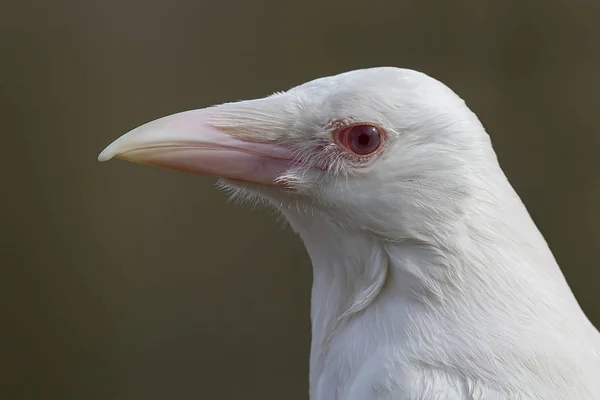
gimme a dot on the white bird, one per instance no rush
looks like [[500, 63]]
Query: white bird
[[431, 281]]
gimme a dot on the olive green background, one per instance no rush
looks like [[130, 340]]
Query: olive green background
[[121, 281]]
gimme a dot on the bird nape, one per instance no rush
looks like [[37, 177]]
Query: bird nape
[[430, 280]]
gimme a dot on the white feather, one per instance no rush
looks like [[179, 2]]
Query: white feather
[[431, 281]]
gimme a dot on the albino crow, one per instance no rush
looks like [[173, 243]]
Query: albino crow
[[431, 281]]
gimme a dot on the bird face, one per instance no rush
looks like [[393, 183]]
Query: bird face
[[354, 146]]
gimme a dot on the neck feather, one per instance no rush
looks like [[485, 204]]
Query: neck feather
[[492, 275]]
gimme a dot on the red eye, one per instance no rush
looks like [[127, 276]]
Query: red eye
[[361, 139]]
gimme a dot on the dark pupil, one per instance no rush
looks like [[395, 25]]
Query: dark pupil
[[364, 139]]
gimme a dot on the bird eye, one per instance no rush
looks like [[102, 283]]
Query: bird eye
[[361, 139]]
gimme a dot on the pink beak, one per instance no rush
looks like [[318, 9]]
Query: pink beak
[[187, 142]]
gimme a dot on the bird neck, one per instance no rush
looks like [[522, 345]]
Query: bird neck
[[373, 297], [350, 269]]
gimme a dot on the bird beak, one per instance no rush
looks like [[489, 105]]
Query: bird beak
[[188, 142]]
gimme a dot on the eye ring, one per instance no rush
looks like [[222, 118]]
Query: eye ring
[[361, 140]]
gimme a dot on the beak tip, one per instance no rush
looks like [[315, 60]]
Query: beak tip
[[106, 155]]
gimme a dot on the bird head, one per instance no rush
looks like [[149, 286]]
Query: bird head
[[394, 187], [362, 148]]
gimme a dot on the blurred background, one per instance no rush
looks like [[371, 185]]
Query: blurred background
[[121, 281]]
